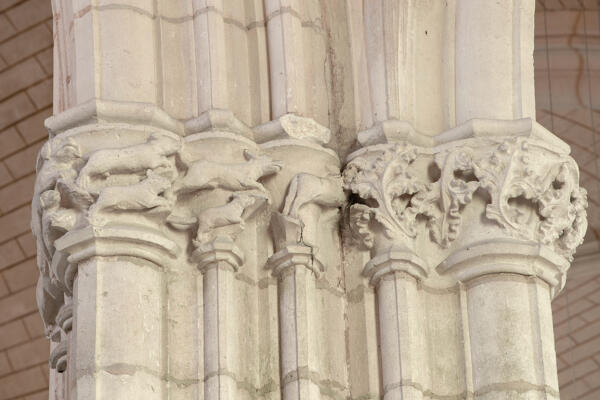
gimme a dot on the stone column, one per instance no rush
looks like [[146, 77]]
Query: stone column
[[469, 200], [118, 324], [296, 266], [218, 261], [305, 239], [395, 276], [496, 222], [100, 250], [189, 205]]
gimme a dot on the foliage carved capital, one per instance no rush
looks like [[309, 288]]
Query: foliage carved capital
[[526, 191]]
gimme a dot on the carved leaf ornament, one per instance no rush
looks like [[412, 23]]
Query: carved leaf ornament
[[393, 196], [533, 192]]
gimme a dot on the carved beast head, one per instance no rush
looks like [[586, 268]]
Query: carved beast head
[[156, 182], [266, 164], [165, 144], [68, 152]]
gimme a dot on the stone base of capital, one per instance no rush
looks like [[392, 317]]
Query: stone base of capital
[[292, 252], [114, 240], [507, 256], [394, 260], [111, 240], [220, 250], [293, 256], [107, 241]]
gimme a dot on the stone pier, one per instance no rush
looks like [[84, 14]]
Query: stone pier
[[301, 200]]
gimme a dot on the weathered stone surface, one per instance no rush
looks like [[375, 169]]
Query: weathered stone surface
[[199, 237]]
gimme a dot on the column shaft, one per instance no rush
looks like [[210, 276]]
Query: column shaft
[[512, 342], [219, 333], [399, 312], [299, 351], [494, 54], [118, 330]]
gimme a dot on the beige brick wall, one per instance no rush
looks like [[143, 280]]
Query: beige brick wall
[[577, 330], [563, 81], [567, 71], [25, 100]]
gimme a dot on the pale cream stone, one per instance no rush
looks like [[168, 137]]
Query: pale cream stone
[[143, 5], [127, 59], [179, 96], [193, 211], [83, 68]]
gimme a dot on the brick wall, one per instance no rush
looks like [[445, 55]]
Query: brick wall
[[577, 332], [25, 101], [567, 72]]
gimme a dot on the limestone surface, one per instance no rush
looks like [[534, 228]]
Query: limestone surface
[[301, 200]]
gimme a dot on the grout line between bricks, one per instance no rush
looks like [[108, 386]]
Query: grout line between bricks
[[18, 318], [25, 342], [23, 317], [17, 4], [16, 266], [31, 85], [21, 247], [5, 284], [21, 395], [18, 151], [18, 32], [10, 266], [22, 60], [13, 237], [14, 294]]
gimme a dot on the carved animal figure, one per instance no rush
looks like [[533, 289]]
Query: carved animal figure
[[49, 299], [307, 188], [73, 196], [149, 155], [53, 165], [234, 176], [226, 215], [55, 221], [60, 163], [144, 195]]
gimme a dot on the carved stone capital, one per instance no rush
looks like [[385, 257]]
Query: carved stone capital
[[98, 193], [294, 256], [58, 357], [295, 127], [309, 198], [221, 251], [394, 191], [484, 182], [64, 321], [394, 260], [291, 251]]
